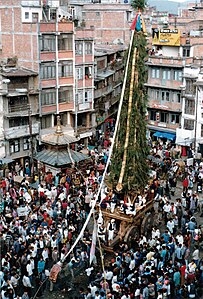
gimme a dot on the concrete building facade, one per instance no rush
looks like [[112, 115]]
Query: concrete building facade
[[173, 71], [41, 36]]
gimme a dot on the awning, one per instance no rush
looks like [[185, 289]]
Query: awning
[[18, 179], [5, 160], [168, 136]]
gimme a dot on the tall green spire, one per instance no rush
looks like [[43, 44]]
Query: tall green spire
[[129, 162], [138, 4]]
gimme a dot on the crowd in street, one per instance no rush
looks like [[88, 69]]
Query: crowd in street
[[163, 263]]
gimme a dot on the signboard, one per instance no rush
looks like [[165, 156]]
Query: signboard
[[190, 162], [22, 211], [51, 169], [166, 37]]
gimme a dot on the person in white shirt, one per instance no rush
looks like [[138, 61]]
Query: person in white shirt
[[45, 254], [170, 225], [166, 209], [29, 270], [179, 239]]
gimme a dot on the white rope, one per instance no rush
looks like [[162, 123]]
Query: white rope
[[109, 157]]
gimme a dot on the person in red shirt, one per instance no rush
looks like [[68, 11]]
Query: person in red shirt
[[182, 273], [185, 185]]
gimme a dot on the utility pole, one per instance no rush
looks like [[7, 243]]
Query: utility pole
[[196, 110], [31, 139], [76, 105]]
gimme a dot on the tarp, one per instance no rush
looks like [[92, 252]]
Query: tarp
[[169, 136], [5, 160], [18, 179]]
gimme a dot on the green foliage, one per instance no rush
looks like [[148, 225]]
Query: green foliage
[[136, 170], [138, 4]]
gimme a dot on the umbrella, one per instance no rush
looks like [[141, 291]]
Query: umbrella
[[18, 179]]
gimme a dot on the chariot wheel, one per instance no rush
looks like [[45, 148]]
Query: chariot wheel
[[148, 222], [132, 233]]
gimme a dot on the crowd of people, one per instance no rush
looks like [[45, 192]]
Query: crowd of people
[[38, 226]]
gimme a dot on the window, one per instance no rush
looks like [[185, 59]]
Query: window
[[88, 72], [186, 52], [19, 103], [190, 88], [163, 118], [188, 124], [65, 94], [14, 146], [88, 48], [201, 130], [65, 42], [155, 73], [27, 15], [80, 97], [46, 121], [78, 48], [18, 121], [177, 75], [79, 73], [166, 74], [167, 96], [66, 69], [48, 71], [189, 106], [97, 13], [152, 115], [35, 17], [174, 119], [26, 144], [47, 43], [88, 96], [178, 97], [48, 97]]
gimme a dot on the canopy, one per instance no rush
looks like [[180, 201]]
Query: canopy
[[166, 135], [59, 158], [18, 179], [5, 160]]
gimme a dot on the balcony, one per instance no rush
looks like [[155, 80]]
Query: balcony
[[21, 131], [85, 106], [176, 62]]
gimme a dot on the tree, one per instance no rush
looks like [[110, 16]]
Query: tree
[[129, 170], [138, 4]]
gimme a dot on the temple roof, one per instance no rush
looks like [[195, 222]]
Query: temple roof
[[58, 137], [59, 158]]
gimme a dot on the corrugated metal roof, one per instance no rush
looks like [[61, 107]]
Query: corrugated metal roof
[[58, 139], [59, 158], [17, 72]]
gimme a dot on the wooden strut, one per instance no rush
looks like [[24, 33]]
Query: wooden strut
[[119, 186]]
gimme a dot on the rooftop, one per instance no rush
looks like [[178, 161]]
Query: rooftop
[[17, 72]]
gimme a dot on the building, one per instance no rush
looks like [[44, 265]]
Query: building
[[173, 69], [20, 118], [43, 38], [110, 19], [109, 70]]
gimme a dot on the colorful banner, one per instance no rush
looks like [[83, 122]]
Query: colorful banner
[[166, 37]]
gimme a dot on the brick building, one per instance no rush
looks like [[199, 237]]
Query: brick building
[[173, 69], [20, 107], [42, 36]]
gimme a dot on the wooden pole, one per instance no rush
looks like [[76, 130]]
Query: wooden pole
[[119, 186]]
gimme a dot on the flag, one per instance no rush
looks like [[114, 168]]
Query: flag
[[132, 27], [94, 241]]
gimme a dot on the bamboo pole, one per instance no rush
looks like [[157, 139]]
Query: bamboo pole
[[119, 186], [102, 262]]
